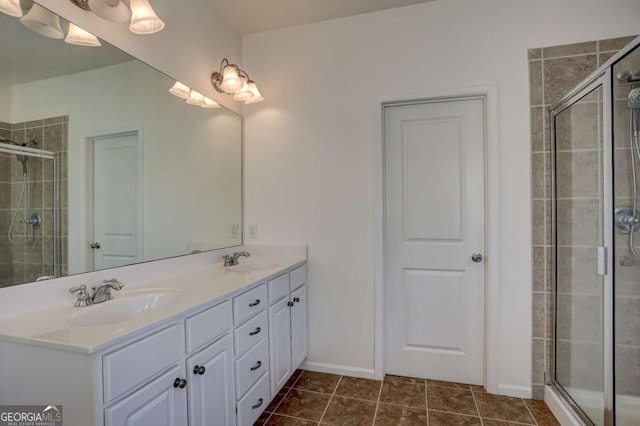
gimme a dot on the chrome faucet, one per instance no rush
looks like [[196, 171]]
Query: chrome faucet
[[99, 294], [232, 259]]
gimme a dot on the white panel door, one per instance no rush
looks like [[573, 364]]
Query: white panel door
[[158, 404], [299, 333], [279, 344], [434, 219], [116, 192], [211, 389]]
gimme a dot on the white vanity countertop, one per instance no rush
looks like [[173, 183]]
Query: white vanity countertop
[[50, 326]]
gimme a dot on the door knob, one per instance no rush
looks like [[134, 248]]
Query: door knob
[[95, 245], [476, 257]]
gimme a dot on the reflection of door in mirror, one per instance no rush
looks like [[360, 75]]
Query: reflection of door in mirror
[[116, 211]]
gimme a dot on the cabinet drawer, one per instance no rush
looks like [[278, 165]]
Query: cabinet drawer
[[129, 367], [251, 333], [298, 277], [250, 303], [254, 402], [205, 326], [278, 288], [251, 366]]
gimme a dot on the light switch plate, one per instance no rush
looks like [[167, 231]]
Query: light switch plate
[[253, 231]]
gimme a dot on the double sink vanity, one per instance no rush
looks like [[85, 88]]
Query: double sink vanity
[[192, 342]]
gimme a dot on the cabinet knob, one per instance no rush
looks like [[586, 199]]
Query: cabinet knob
[[256, 303], [296, 299], [258, 365], [179, 383], [257, 404], [256, 331], [289, 303], [199, 369]]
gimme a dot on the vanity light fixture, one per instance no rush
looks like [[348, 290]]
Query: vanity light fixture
[[109, 10], [80, 37], [180, 90], [195, 98], [209, 103], [43, 22], [234, 81], [11, 8], [142, 17]]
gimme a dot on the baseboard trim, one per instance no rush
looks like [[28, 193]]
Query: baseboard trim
[[343, 370], [515, 391]]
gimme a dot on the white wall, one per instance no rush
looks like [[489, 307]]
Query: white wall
[[191, 184], [309, 148], [190, 47], [5, 104]]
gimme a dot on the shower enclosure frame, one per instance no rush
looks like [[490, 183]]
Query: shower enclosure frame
[[602, 77], [47, 155]]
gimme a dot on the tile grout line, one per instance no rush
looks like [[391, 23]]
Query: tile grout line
[[330, 399], [426, 400], [285, 395], [530, 412], [375, 413], [473, 394]]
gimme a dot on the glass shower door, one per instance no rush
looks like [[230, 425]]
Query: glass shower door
[[579, 232], [626, 122]]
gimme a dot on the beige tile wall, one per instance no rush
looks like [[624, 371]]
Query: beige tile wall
[[5, 197], [35, 258], [553, 72]]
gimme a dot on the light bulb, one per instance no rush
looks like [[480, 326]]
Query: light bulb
[[230, 80], [143, 19], [111, 10], [209, 103], [11, 7], [180, 90], [81, 37], [43, 22], [195, 98]]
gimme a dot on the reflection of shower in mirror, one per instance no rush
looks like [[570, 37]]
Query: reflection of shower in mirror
[[33, 220]]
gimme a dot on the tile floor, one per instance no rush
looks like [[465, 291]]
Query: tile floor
[[311, 398]]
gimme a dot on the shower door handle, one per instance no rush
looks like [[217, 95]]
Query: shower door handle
[[95, 245]]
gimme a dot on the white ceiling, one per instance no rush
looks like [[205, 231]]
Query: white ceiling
[[252, 16]]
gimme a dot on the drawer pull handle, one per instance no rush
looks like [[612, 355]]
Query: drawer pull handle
[[256, 303], [296, 299], [256, 331], [258, 365], [199, 370], [257, 404], [179, 383], [289, 303]]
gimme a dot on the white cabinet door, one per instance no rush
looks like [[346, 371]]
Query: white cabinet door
[[299, 337], [158, 404], [211, 386], [280, 344]]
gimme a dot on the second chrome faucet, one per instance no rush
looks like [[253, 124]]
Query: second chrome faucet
[[100, 293], [232, 259]]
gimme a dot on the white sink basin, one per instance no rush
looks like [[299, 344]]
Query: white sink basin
[[252, 266], [124, 307]]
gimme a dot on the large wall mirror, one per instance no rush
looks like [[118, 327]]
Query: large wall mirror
[[100, 166]]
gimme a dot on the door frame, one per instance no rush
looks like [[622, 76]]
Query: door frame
[[88, 189], [489, 95]]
